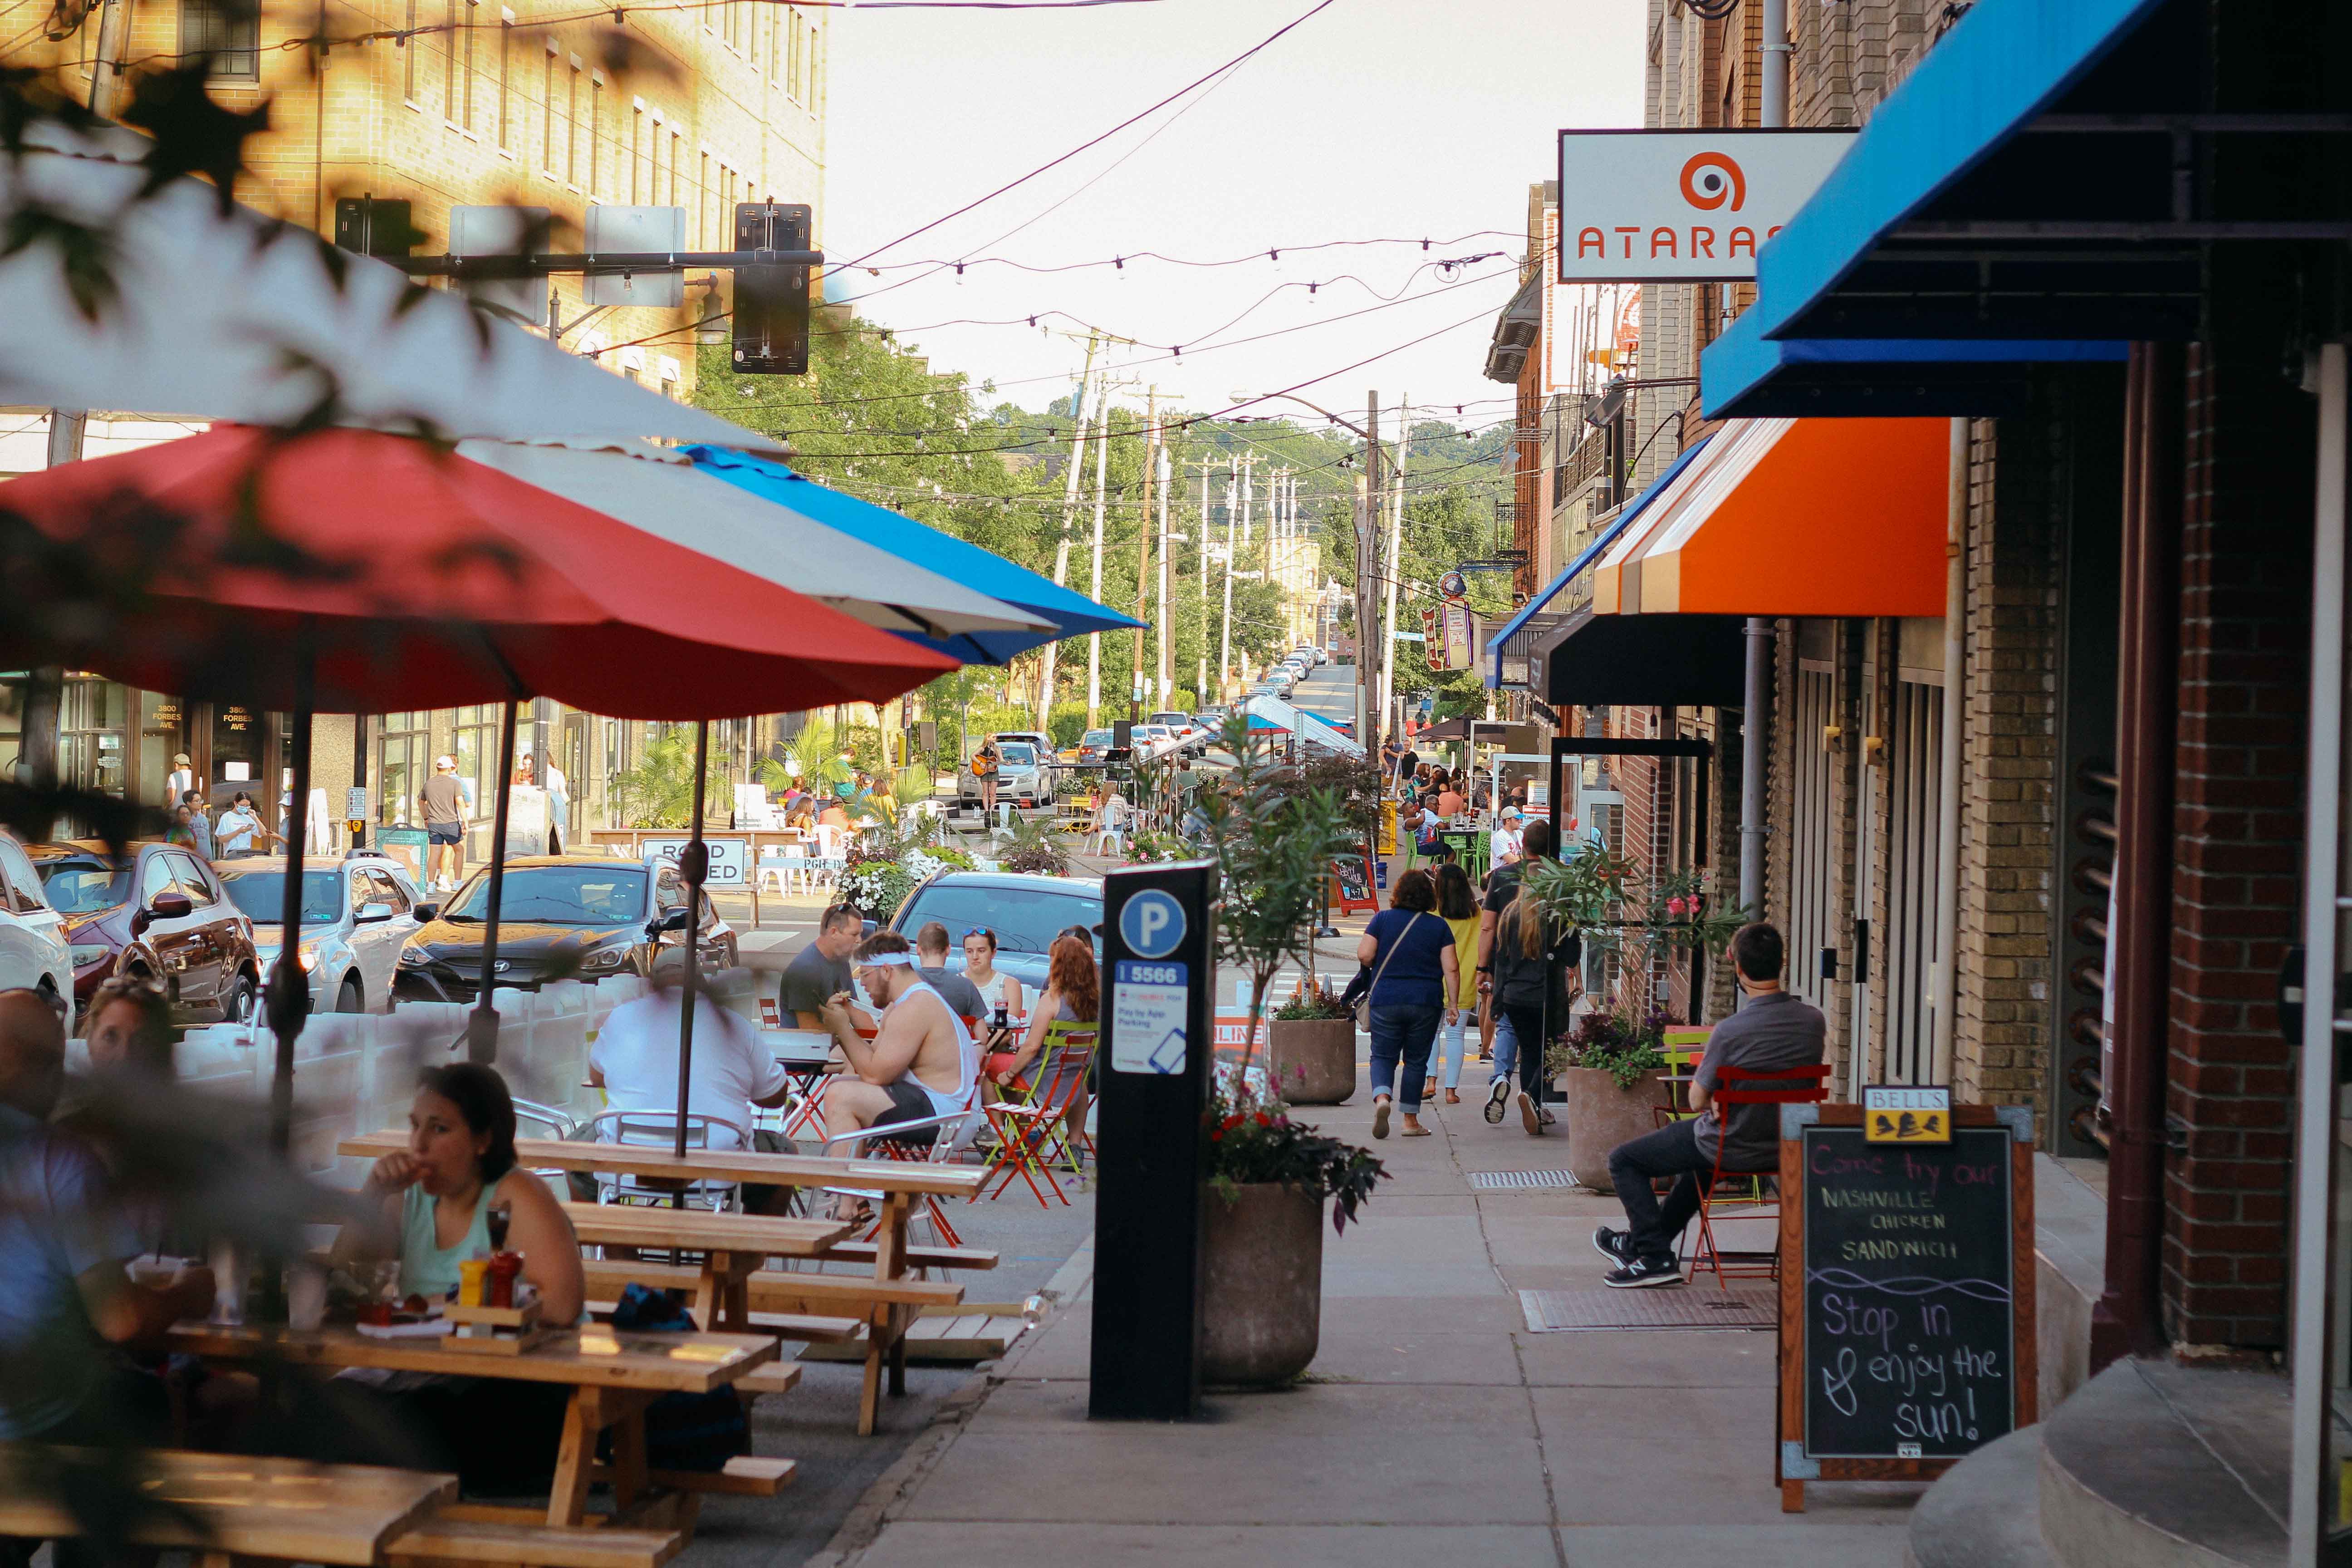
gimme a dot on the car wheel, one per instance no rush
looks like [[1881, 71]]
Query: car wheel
[[240, 1007], [348, 999]]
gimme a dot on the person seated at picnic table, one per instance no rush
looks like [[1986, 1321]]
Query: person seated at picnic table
[[833, 814], [999, 992], [1073, 995], [921, 1062], [932, 962], [1112, 814], [429, 1209], [71, 1313], [1774, 1030], [1450, 800], [635, 1062], [821, 968], [801, 813]]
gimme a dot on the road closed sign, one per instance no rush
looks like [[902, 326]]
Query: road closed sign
[[1682, 207]]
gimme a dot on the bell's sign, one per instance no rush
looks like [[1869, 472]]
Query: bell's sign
[[1682, 207]]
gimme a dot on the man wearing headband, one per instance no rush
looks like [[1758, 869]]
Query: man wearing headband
[[921, 1062]]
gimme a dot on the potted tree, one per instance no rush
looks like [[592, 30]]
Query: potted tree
[[1310, 1048], [1269, 1174], [1610, 1063]]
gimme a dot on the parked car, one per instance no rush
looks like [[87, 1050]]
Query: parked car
[[33, 952], [561, 919], [1094, 748], [357, 913], [156, 910], [1026, 775], [1025, 912], [1179, 722]]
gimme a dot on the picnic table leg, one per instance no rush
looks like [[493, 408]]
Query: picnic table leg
[[567, 1500], [901, 1320], [628, 1459], [869, 1395], [709, 1292]]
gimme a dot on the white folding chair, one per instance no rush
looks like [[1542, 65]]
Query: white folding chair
[[658, 1130], [956, 1131]]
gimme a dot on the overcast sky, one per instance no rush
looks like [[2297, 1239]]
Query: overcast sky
[[1376, 119]]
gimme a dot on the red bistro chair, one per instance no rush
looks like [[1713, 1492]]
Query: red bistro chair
[[1737, 1087]]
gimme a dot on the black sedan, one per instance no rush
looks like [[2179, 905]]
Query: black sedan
[[561, 920]]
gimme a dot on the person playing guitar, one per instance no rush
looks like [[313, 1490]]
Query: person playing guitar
[[984, 768]]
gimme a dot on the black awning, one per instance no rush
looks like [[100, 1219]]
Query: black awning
[[1461, 728], [1644, 662]]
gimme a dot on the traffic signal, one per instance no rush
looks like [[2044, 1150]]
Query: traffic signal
[[772, 304]]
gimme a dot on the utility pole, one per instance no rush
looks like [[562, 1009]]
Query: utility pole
[[45, 685], [1225, 621], [106, 85], [1201, 695], [1163, 472], [1368, 556], [1760, 634], [1069, 515], [1388, 582], [1143, 553], [1093, 639]]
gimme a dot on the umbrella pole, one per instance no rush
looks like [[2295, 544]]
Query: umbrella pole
[[289, 988], [482, 1024], [693, 866]]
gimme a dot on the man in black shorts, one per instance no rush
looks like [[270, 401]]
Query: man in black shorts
[[442, 802]]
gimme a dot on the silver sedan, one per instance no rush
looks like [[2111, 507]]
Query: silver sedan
[[356, 914]]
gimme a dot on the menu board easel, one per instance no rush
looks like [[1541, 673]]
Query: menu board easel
[[1907, 1295]]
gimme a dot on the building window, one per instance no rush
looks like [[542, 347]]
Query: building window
[[637, 148], [465, 67], [547, 121], [506, 54], [595, 127], [231, 39], [476, 750], [407, 762], [572, 126], [677, 152], [792, 65]]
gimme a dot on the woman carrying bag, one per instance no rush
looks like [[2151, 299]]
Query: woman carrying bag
[[1415, 979]]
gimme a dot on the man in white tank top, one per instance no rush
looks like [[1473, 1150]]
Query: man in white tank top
[[921, 1062]]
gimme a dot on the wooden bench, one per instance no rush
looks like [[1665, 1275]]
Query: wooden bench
[[973, 1258], [454, 1536], [228, 1506]]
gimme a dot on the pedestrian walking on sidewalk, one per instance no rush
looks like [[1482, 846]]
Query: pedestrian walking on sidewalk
[[1414, 981], [1534, 979], [1457, 906]]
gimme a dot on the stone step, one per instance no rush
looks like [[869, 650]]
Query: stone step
[[1985, 1512], [2160, 1465]]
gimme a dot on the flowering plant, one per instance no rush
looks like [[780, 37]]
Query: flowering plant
[[1248, 1137], [1623, 1044]]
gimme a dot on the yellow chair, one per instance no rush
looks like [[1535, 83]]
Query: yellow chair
[[1682, 1049]]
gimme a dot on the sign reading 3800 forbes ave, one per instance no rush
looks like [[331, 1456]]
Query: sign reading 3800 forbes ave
[[1682, 207]]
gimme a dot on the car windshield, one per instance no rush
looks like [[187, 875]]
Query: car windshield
[[1017, 753], [1025, 920], [589, 895], [84, 887], [262, 896]]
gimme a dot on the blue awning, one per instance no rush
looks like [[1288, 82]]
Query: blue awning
[[1525, 627], [2021, 183], [1073, 614], [1744, 374]]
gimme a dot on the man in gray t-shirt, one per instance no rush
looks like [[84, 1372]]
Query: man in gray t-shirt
[[1772, 1032], [820, 969], [961, 995]]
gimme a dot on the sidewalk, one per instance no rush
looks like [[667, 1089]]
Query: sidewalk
[[1433, 1430]]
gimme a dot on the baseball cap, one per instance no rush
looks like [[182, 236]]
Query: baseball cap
[[444, 761]]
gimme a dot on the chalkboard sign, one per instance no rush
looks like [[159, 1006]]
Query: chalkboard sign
[[1906, 1294], [1352, 876]]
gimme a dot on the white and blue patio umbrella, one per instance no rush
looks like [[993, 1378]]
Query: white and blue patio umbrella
[[1066, 614]]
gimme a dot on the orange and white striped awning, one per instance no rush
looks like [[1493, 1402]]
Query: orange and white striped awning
[[1793, 517]]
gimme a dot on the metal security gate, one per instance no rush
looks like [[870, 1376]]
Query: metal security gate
[[1813, 936], [1911, 901]]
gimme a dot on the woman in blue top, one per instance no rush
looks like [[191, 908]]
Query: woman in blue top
[[1415, 979]]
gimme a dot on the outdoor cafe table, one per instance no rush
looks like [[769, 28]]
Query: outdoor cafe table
[[1471, 848], [223, 1506], [733, 1247], [613, 1376]]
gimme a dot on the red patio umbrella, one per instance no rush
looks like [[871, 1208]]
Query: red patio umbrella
[[360, 571]]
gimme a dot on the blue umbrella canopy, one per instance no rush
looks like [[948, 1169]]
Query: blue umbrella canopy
[[984, 571]]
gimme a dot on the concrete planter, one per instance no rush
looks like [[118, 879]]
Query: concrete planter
[[1313, 1059], [1599, 1116], [1261, 1294]]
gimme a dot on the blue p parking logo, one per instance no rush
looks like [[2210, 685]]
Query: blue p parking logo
[[1151, 923]]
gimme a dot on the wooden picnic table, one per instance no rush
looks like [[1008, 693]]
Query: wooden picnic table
[[732, 1246], [898, 1183], [226, 1505], [613, 1376]]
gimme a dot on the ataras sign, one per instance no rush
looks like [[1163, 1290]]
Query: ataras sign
[[1682, 207]]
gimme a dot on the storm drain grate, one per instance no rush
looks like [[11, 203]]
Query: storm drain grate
[[1522, 1178], [1701, 1306]]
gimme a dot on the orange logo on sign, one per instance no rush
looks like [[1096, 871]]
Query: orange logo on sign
[[1710, 179]]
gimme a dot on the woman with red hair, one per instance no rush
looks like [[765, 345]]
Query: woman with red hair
[[1073, 996]]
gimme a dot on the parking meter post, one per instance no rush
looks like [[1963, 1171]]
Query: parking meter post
[[290, 987], [482, 1023], [1155, 1054], [693, 867]]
